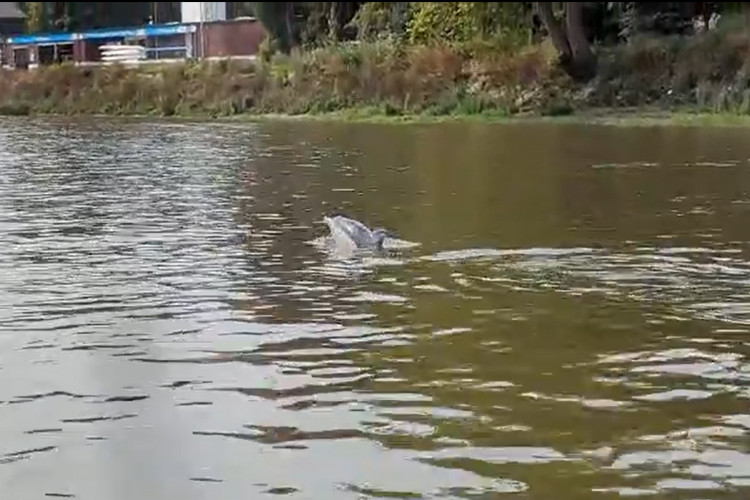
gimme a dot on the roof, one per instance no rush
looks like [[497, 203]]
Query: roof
[[9, 10]]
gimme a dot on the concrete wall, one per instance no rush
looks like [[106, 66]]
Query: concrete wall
[[196, 12]]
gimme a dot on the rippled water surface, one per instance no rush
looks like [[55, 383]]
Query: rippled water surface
[[571, 320]]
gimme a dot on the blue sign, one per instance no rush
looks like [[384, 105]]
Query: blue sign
[[144, 31], [42, 38], [150, 30]]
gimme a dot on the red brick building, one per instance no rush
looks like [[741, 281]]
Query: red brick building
[[217, 39]]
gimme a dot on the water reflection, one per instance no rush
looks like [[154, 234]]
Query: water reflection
[[569, 322]]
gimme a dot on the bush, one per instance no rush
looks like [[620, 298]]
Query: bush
[[460, 22], [386, 75], [709, 72]]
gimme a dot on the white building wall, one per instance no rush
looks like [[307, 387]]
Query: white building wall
[[203, 12]]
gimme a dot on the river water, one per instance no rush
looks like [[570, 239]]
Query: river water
[[571, 319]]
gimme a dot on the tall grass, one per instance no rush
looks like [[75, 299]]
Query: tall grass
[[709, 72], [385, 77]]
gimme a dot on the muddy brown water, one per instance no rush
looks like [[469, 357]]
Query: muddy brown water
[[574, 322]]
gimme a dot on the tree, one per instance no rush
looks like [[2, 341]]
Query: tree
[[67, 16], [569, 37], [34, 17], [277, 19], [339, 15], [375, 19], [441, 22]]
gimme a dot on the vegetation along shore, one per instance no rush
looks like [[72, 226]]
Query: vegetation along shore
[[433, 59]]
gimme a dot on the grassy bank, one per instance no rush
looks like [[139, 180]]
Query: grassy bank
[[372, 79], [707, 74]]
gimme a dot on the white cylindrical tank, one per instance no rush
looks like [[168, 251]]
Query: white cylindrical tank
[[122, 53], [203, 12]]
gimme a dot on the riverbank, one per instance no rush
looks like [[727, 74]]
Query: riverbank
[[683, 80], [615, 117]]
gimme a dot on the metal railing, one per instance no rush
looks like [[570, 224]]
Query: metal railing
[[138, 53], [172, 52]]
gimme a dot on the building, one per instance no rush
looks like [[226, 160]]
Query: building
[[203, 33], [203, 12], [11, 18], [11, 21]]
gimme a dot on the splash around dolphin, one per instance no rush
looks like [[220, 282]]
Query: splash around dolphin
[[349, 232], [348, 238]]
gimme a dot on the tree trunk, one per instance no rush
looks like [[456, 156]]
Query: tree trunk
[[339, 15], [334, 21], [582, 57], [554, 28], [288, 24], [569, 38]]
